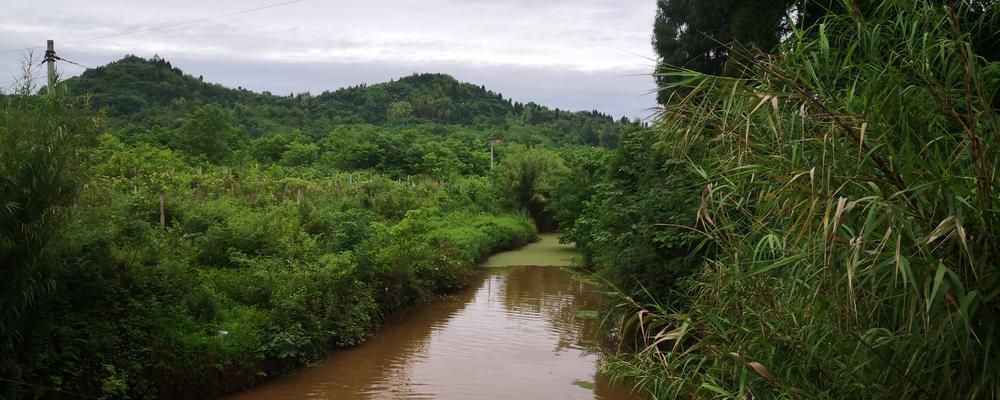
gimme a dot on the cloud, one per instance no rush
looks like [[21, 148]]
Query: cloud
[[594, 46]]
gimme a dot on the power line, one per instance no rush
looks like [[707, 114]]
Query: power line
[[161, 27], [71, 62]]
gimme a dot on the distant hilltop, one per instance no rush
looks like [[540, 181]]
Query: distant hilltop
[[136, 89]]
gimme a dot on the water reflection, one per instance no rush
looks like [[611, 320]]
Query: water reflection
[[514, 335]]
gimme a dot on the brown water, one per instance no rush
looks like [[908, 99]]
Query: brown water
[[516, 333]]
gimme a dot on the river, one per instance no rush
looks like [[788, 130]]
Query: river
[[518, 332]]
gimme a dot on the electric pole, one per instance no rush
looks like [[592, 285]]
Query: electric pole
[[493, 141], [50, 59]]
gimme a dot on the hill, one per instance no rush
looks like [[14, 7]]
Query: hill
[[152, 92]]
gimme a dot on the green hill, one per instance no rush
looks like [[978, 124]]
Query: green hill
[[152, 92]]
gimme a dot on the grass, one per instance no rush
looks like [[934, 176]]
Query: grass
[[849, 187]]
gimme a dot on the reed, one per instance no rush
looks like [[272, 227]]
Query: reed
[[849, 187]]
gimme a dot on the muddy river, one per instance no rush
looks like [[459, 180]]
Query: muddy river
[[523, 330]]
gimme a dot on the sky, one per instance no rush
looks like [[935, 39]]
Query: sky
[[570, 54]]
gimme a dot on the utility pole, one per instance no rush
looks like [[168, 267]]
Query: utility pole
[[50, 59], [163, 210], [493, 141]]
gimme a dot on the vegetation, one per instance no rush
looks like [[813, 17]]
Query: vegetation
[[633, 219], [169, 251], [146, 98], [811, 216], [39, 156], [699, 35], [715, 37], [527, 176], [695, 34], [823, 225]]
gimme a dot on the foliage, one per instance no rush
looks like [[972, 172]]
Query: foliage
[[848, 186], [144, 97], [441, 152], [258, 269], [718, 36], [42, 143], [694, 34], [574, 191], [433, 252], [629, 213], [525, 178], [698, 35], [209, 132]]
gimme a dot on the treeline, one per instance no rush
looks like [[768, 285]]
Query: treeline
[[151, 95], [821, 224]]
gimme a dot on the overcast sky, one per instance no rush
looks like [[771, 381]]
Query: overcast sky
[[571, 54]]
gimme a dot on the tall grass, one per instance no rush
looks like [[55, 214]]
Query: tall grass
[[849, 183], [42, 144]]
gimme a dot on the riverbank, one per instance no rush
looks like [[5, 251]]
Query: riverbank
[[236, 292], [426, 255], [515, 332]]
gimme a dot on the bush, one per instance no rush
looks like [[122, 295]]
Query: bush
[[242, 284], [430, 252]]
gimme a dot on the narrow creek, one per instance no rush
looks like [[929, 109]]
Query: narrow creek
[[520, 331]]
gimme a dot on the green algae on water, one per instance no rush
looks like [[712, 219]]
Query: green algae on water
[[546, 252]]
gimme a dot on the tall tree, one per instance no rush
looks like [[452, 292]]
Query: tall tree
[[694, 34], [697, 34], [211, 132]]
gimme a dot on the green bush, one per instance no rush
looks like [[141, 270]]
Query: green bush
[[431, 252], [242, 284]]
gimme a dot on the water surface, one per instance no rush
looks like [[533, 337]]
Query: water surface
[[547, 251], [516, 333]]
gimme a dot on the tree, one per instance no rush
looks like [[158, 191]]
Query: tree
[[209, 132], [697, 34], [300, 154], [527, 177], [270, 148], [694, 34], [399, 111]]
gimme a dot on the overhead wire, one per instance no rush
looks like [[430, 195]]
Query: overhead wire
[[71, 62]]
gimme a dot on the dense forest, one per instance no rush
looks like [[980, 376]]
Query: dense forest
[[810, 215], [147, 97]]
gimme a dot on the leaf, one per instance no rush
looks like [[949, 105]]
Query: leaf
[[938, 278], [824, 42], [717, 389], [762, 371], [941, 229]]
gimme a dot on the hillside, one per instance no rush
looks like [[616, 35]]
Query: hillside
[[152, 92]]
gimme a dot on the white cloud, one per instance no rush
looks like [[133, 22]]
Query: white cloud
[[594, 38]]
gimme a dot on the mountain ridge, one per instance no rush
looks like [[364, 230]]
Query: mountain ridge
[[153, 92], [126, 85]]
